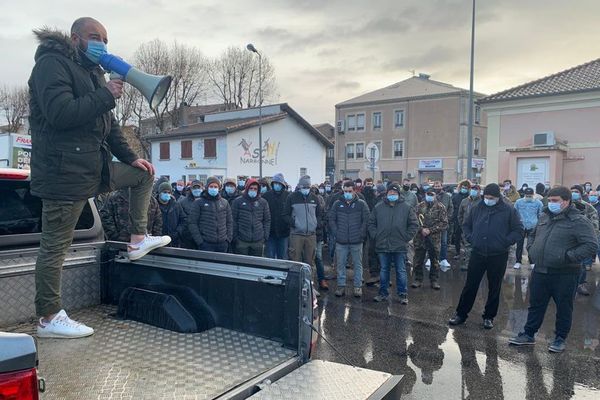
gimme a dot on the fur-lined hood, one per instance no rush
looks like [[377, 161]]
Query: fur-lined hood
[[52, 40]]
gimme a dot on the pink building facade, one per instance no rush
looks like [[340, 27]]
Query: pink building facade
[[546, 131]]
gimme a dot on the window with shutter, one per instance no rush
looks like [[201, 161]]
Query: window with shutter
[[165, 151], [186, 149], [210, 148]]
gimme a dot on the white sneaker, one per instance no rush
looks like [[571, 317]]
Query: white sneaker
[[444, 263], [517, 266], [63, 327], [139, 250], [428, 265], [532, 266]]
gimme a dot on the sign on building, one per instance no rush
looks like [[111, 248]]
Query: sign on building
[[435, 163]]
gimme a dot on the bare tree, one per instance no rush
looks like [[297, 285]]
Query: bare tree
[[186, 65], [14, 102], [235, 79]]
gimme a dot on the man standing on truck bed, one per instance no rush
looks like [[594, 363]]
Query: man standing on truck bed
[[75, 135]]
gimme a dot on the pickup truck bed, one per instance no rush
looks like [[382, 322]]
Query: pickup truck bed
[[131, 360]]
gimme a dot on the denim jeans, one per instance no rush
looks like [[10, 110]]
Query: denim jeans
[[331, 245], [561, 288], [444, 247], [319, 261], [520, 245], [385, 259], [342, 251], [278, 248]]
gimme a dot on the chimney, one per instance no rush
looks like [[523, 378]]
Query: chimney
[[424, 76]]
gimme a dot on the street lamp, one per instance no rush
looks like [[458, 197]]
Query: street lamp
[[251, 48], [470, 126]]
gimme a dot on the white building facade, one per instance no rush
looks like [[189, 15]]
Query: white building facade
[[226, 145]]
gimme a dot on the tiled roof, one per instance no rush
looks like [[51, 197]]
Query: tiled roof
[[415, 87], [581, 78]]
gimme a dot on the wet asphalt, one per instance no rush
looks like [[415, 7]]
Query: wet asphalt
[[466, 362]]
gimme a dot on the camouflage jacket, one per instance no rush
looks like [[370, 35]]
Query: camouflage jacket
[[465, 206], [589, 211], [434, 216], [115, 217]]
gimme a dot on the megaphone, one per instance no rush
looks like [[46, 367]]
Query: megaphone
[[153, 87]]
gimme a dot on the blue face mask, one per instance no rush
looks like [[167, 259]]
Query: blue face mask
[[241, 184], [593, 199], [425, 187], [429, 198], [554, 207], [348, 196], [165, 197], [196, 192], [575, 196], [229, 189], [305, 192], [263, 189], [95, 50], [328, 189], [252, 193], [277, 187], [392, 197], [213, 191], [490, 202], [474, 193], [464, 190]]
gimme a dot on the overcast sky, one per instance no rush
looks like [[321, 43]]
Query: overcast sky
[[327, 51]]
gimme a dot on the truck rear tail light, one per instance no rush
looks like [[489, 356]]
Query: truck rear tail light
[[14, 175], [21, 385]]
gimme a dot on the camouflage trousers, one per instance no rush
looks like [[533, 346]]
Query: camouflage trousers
[[427, 247], [467, 248]]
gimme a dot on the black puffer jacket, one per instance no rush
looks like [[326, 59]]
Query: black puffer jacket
[[74, 133], [173, 221], [559, 243], [492, 230], [279, 227], [348, 221], [210, 220], [251, 219]]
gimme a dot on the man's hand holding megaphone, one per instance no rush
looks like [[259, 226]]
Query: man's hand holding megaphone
[[115, 86]]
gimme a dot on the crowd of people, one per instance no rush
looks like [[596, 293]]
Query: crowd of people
[[385, 225]]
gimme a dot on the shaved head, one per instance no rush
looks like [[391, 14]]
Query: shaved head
[[85, 29], [80, 24]]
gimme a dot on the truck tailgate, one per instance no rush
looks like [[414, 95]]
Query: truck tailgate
[[331, 381]]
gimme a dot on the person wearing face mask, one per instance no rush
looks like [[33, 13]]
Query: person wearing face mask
[[195, 191], [433, 220], [529, 210], [264, 186], [76, 137], [173, 216], [510, 192], [230, 191], [392, 224], [277, 243], [466, 205], [116, 222], [210, 222], [595, 202], [251, 221], [463, 192], [562, 239], [177, 189], [370, 256], [446, 199], [492, 226], [348, 219], [577, 193], [241, 183]]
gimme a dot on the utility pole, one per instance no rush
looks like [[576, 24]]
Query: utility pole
[[470, 127], [260, 101]]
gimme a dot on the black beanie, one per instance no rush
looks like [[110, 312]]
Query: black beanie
[[492, 190]]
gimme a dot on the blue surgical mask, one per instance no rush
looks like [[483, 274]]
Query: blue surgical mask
[[429, 198], [165, 197], [263, 189], [241, 183], [179, 188], [392, 197], [95, 50], [464, 190], [229, 189], [328, 189], [414, 191], [252, 193], [213, 191], [277, 187], [347, 196], [473, 192], [305, 192], [321, 191], [490, 202], [554, 207], [575, 196], [425, 187], [196, 192], [593, 199]]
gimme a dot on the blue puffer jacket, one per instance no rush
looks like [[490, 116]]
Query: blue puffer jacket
[[529, 211], [492, 230]]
